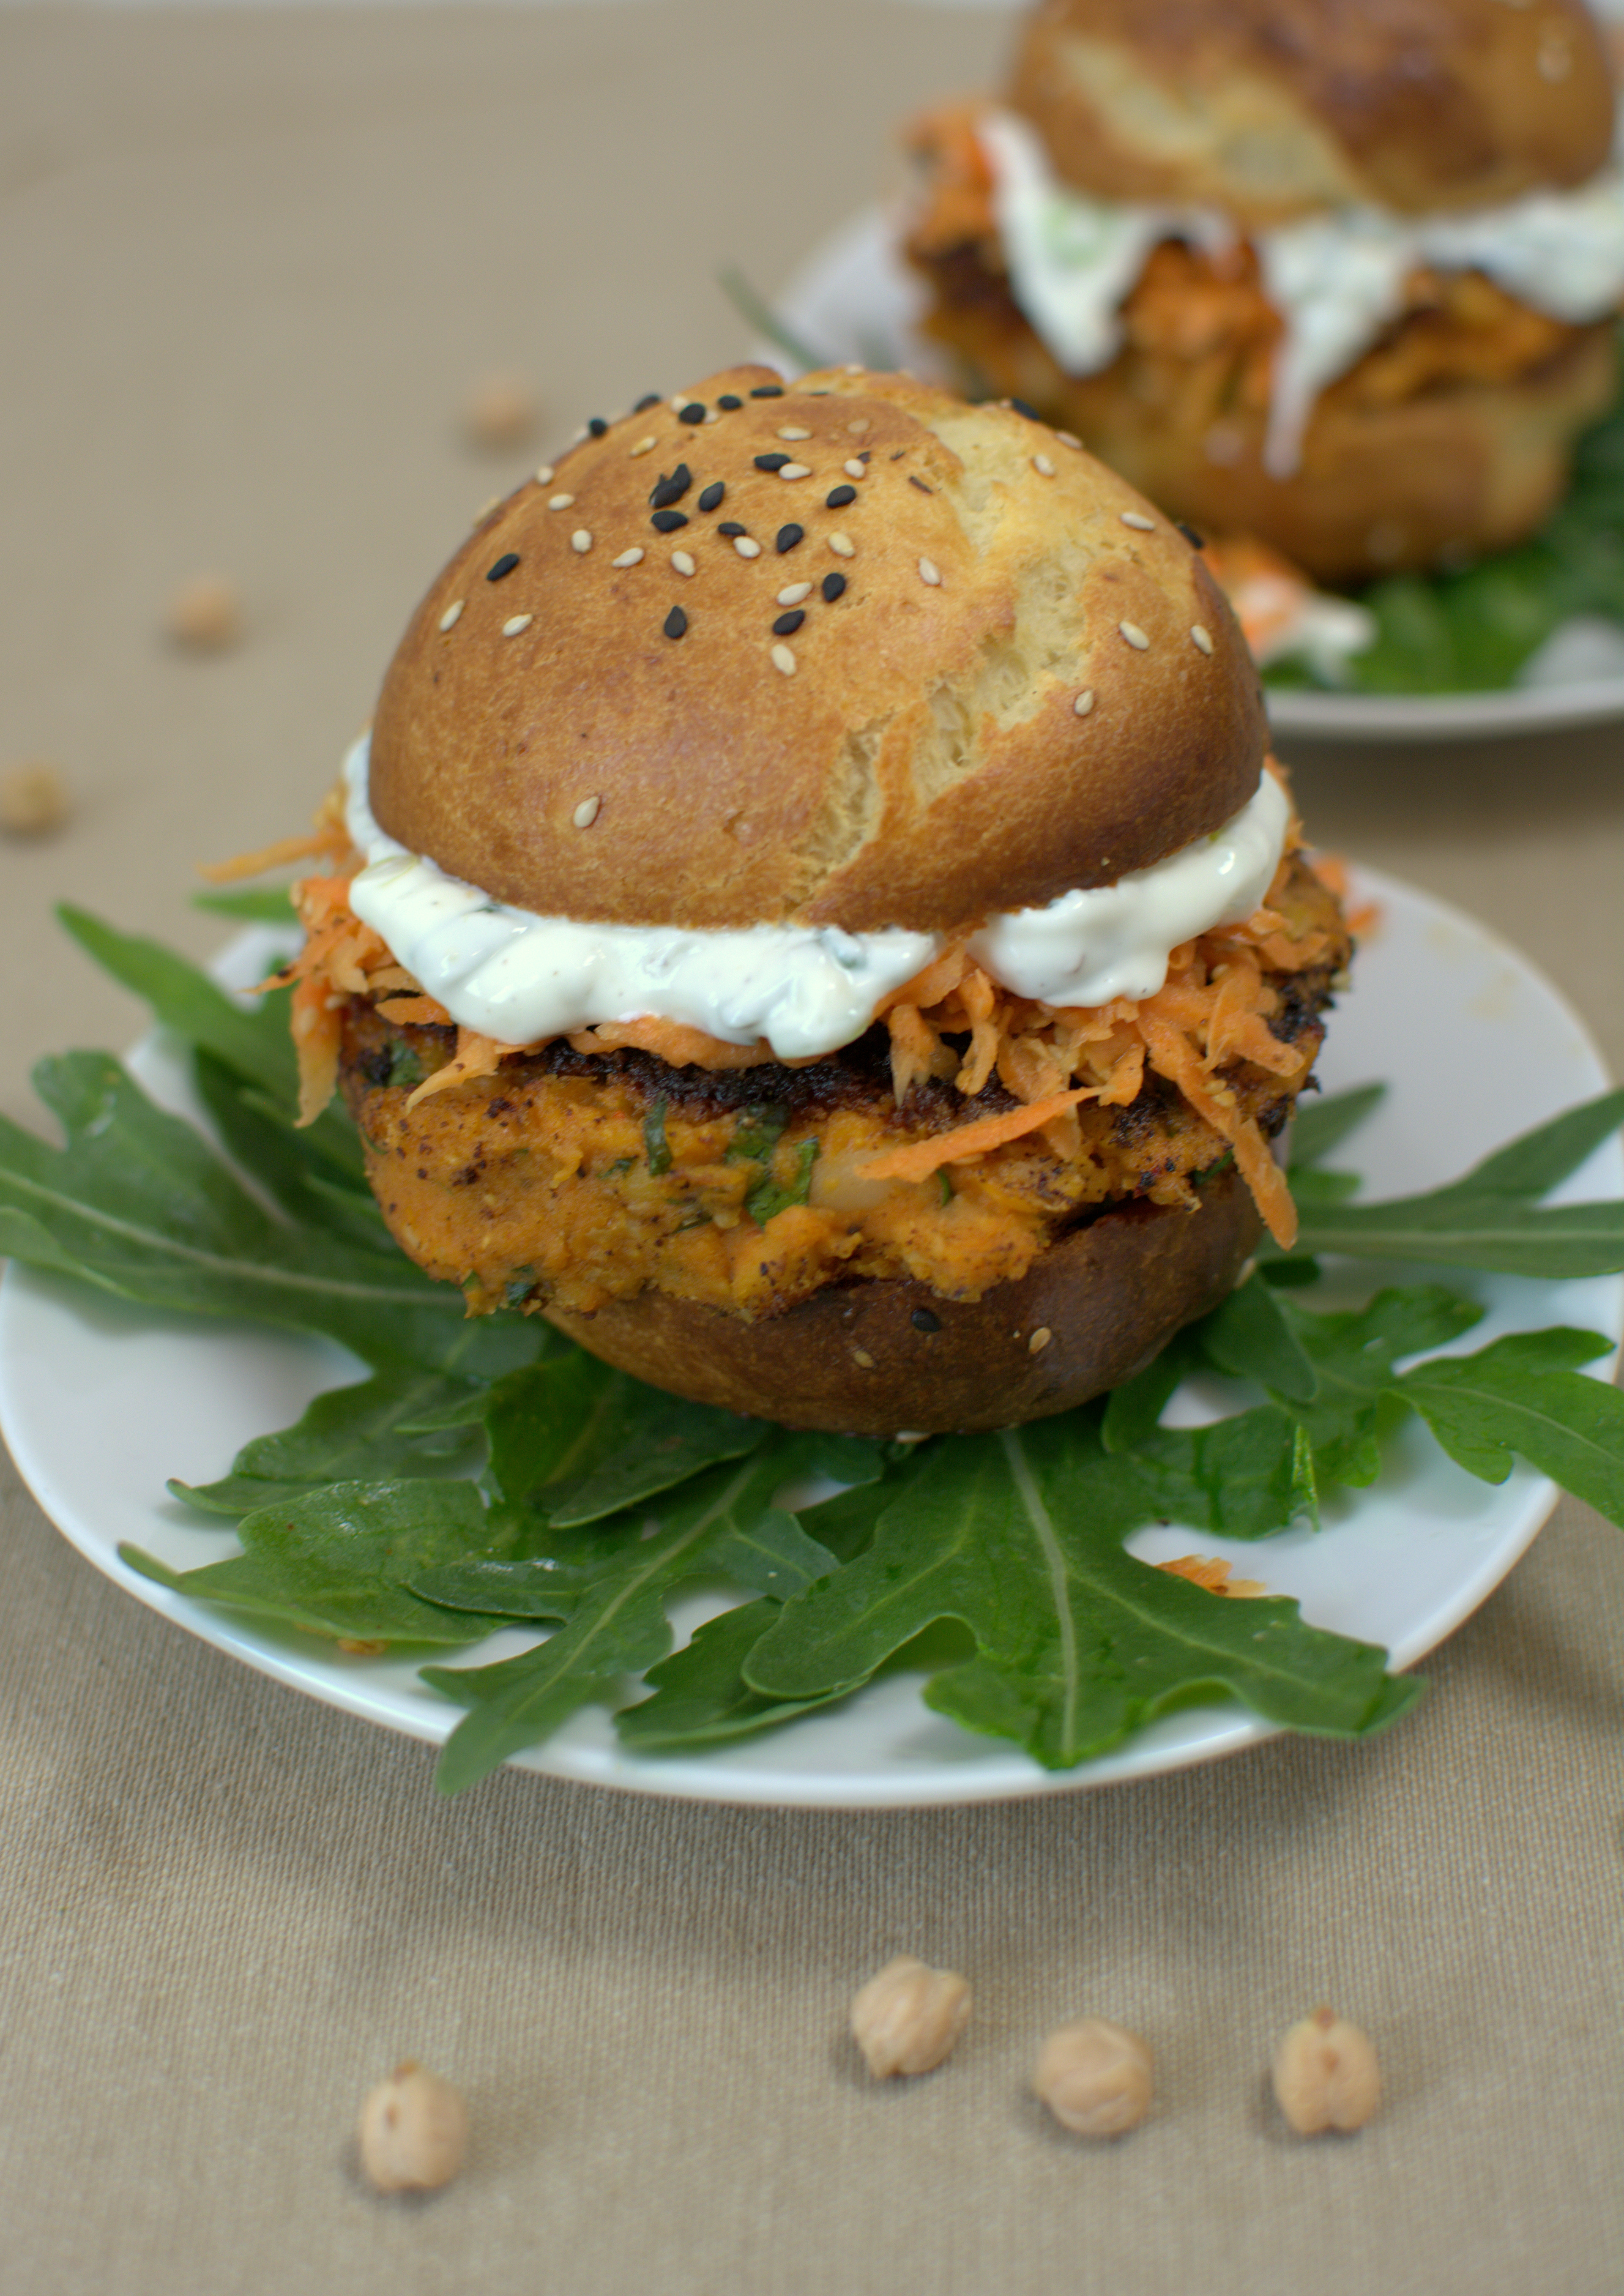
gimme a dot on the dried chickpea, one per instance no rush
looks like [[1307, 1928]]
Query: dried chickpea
[[1096, 2077], [32, 798], [1325, 2075], [908, 2019], [501, 412], [414, 2131], [205, 615]]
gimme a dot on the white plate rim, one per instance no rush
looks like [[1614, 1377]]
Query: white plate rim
[[1194, 1735]]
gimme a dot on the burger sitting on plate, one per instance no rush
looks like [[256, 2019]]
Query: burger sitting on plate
[[813, 917], [1340, 275]]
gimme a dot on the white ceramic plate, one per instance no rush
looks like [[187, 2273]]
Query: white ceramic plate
[[101, 1403], [855, 298]]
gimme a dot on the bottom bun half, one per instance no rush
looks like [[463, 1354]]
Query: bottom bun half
[[887, 1358]]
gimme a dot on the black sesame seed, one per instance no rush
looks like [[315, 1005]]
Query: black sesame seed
[[913, 480], [729, 401], [922, 1320], [788, 537], [771, 461], [730, 526], [711, 497], [503, 565], [597, 426], [1030, 413], [1191, 537], [787, 625], [671, 488], [667, 521], [840, 497], [675, 623], [834, 587], [643, 404], [768, 390], [693, 413]]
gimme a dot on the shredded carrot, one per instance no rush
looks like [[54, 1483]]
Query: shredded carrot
[[476, 1056], [672, 1041], [918, 1160], [415, 1011]]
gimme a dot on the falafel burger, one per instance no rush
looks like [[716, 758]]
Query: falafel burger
[[1340, 274], [813, 917]]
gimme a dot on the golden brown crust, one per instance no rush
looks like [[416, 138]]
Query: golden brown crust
[[1108, 1295], [1269, 108], [922, 764]]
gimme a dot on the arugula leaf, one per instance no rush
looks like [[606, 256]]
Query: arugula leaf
[[579, 1440], [335, 1560], [254, 1041], [1525, 1394], [1494, 1231], [136, 1204], [258, 905], [296, 1169], [700, 1697], [1322, 1123], [1251, 1336], [720, 1523], [1534, 1162], [361, 1433], [1019, 1536]]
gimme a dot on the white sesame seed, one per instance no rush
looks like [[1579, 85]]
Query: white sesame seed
[[1070, 439], [1084, 702], [681, 561], [486, 508], [1043, 466], [796, 470], [713, 414], [793, 430], [544, 477], [561, 502], [580, 541], [842, 545], [745, 548], [1555, 60], [783, 660], [1039, 1340], [854, 369], [1203, 636], [1139, 521], [633, 557], [930, 573], [645, 445], [587, 811], [796, 592], [453, 615], [858, 425], [510, 628], [681, 400], [855, 470], [1134, 634]]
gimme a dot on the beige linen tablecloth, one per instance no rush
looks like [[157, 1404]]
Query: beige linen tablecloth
[[250, 265]]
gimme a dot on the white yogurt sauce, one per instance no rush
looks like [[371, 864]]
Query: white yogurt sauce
[[1337, 279], [520, 977]]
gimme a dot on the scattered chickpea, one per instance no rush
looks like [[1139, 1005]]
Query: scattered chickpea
[[205, 615], [414, 2131], [908, 2019], [1325, 2075], [1095, 2078], [33, 799], [501, 412]]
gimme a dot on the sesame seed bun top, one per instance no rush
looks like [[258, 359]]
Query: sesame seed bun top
[[1000, 675], [1271, 108]]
